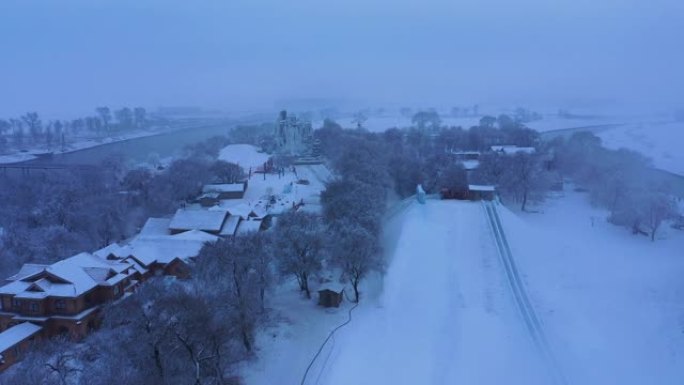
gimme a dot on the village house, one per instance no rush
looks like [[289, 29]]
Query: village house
[[227, 190], [156, 254], [64, 297]]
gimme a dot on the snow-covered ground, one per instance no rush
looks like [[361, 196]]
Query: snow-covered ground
[[246, 155], [442, 315], [662, 142], [553, 123], [285, 187], [611, 302]]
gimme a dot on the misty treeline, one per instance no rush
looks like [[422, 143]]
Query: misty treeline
[[622, 181], [49, 215], [427, 156], [29, 130]]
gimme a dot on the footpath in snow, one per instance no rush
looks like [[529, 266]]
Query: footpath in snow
[[445, 315]]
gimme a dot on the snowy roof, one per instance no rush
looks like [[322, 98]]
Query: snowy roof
[[26, 270], [477, 187], [207, 220], [513, 149], [16, 334], [247, 226], [112, 249], [156, 226], [69, 277], [230, 227], [470, 164], [209, 195], [333, 286], [219, 188], [166, 248], [241, 208]]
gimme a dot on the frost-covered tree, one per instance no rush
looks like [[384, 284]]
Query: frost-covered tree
[[355, 251], [426, 120], [524, 178], [232, 270], [124, 117], [33, 124], [105, 115], [300, 241], [227, 172]]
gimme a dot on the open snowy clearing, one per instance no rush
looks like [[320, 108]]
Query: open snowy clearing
[[443, 315], [662, 142], [611, 302]]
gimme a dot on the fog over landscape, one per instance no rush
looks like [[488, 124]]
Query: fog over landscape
[[342, 192], [64, 57]]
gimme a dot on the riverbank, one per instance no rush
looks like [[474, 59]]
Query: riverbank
[[86, 143]]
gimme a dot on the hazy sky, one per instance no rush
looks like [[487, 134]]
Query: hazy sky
[[68, 56]]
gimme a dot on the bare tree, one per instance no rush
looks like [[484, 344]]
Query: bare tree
[[226, 172], [355, 251], [300, 242], [105, 117], [34, 125], [140, 117]]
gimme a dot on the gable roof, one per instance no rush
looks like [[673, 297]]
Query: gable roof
[[69, 277], [206, 220], [222, 188], [16, 334], [156, 226]]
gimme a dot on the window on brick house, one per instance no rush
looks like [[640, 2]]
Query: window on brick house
[[60, 304], [16, 303], [34, 307]]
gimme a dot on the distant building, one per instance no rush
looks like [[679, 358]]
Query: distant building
[[512, 149], [292, 135], [226, 191]]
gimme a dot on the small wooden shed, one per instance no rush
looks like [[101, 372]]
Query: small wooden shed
[[330, 296]]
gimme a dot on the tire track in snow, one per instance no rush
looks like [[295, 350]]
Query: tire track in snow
[[522, 300]]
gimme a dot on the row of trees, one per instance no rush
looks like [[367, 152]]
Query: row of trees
[[622, 181], [46, 216], [30, 130]]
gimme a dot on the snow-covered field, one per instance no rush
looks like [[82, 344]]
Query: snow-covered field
[[611, 302], [662, 142], [552, 123], [443, 315]]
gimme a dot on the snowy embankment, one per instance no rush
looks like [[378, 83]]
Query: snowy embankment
[[82, 143], [611, 302], [661, 142], [442, 315]]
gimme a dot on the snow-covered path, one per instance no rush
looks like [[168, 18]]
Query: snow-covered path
[[445, 315]]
